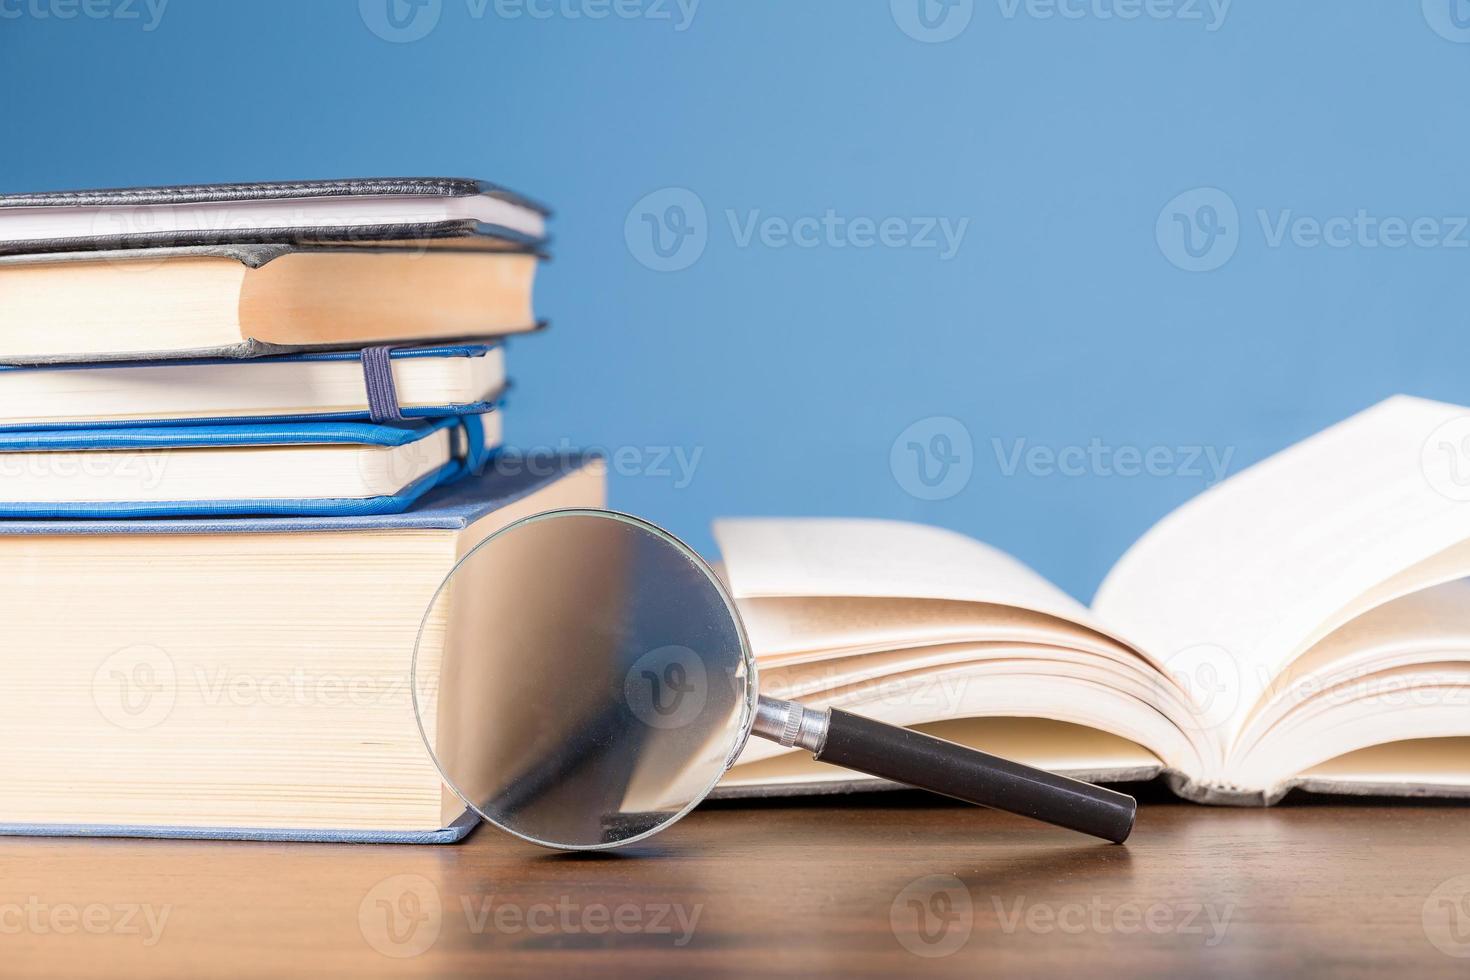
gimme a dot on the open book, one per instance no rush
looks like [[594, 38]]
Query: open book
[[1305, 623]]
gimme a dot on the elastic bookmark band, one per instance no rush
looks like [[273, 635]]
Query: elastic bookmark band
[[377, 375], [477, 454]]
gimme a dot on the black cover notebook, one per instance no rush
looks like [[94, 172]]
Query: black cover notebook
[[429, 210]]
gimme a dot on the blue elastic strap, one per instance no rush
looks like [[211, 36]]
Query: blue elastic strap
[[377, 375], [476, 453]]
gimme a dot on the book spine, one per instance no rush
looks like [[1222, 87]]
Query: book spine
[[1214, 794]]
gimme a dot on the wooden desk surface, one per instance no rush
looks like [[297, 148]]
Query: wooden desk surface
[[890, 885]]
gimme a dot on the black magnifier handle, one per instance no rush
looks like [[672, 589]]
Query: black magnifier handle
[[933, 764]]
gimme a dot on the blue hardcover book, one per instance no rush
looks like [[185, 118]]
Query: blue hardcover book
[[375, 384], [245, 678], [284, 468]]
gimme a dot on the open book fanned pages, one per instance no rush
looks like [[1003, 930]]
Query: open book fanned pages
[[1305, 623]]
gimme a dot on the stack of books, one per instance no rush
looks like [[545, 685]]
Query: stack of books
[[245, 432]]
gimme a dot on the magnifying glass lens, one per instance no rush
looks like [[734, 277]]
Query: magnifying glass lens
[[580, 680]]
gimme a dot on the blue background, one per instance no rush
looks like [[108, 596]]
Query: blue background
[[1061, 320]]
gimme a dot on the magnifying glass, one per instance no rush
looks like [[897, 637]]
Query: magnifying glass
[[582, 680]]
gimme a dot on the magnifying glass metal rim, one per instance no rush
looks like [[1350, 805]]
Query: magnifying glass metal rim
[[748, 708]]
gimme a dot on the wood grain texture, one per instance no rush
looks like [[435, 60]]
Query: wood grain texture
[[779, 889]]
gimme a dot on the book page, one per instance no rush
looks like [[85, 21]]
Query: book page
[[803, 628], [824, 591], [1428, 632], [1247, 575], [789, 557], [1052, 745], [1428, 762]]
